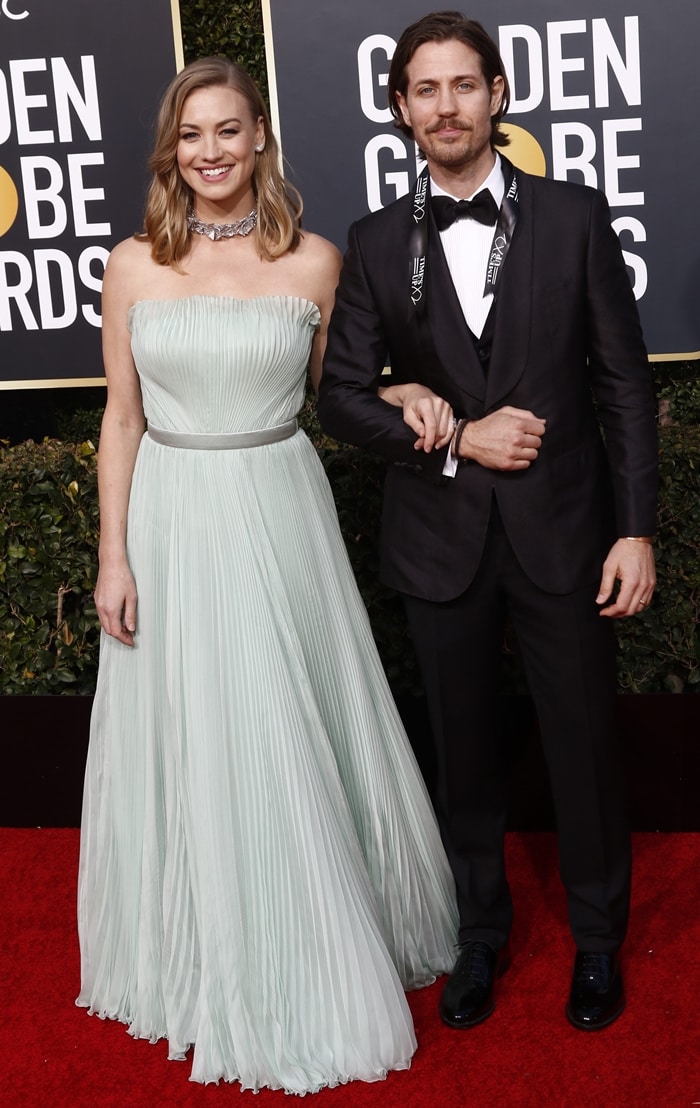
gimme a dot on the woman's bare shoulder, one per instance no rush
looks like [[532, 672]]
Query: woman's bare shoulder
[[319, 253], [132, 274], [130, 252], [317, 247]]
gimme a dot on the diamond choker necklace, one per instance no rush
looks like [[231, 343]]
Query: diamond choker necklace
[[216, 231]]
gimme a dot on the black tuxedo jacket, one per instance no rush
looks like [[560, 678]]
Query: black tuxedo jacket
[[567, 346]]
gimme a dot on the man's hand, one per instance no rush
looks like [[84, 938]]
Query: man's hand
[[508, 439], [424, 411], [632, 564]]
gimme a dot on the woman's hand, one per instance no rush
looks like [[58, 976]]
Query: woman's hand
[[424, 411], [115, 600]]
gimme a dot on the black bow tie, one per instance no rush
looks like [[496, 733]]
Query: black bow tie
[[483, 208]]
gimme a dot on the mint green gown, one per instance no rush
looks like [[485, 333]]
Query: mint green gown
[[261, 874]]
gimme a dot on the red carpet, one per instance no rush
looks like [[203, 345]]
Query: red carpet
[[55, 1055]]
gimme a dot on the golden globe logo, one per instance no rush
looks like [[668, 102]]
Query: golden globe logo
[[50, 116], [523, 150], [9, 201], [540, 66]]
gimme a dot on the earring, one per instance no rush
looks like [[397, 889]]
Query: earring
[[259, 148]]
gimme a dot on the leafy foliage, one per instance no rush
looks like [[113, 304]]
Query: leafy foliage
[[220, 27], [660, 649], [79, 424], [48, 543], [48, 561], [49, 518]]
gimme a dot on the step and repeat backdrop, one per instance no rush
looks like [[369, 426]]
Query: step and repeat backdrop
[[602, 93], [79, 85]]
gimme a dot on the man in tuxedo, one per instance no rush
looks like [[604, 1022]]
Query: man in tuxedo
[[513, 338]]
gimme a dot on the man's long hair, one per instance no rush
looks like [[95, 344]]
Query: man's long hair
[[445, 27], [169, 197]]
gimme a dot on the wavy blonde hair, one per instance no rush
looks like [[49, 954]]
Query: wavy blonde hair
[[169, 197]]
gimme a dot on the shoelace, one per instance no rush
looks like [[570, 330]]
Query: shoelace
[[477, 965], [594, 969]]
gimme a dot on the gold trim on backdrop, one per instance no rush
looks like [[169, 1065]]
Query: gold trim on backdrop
[[177, 34], [61, 383], [693, 356], [271, 73]]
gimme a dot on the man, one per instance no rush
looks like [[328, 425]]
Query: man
[[513, 319]]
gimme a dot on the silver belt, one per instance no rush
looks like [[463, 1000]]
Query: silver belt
[[239, 441]]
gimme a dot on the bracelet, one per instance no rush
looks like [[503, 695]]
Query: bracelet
[[639, 538], [457, 438]]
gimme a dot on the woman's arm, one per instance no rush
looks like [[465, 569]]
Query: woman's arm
[[424, 411], [122, 430], [325, 261]]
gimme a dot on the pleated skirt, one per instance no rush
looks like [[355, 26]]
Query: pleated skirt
[[261, 874]]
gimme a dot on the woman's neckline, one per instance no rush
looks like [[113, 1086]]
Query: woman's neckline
[[223, 296]]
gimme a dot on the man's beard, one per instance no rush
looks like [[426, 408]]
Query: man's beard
[[454, 154]]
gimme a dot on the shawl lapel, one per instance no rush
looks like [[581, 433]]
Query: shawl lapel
[[449, 334], [513, 323]]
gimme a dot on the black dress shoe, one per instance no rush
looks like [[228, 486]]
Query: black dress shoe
[[467, 998], [597, 995]]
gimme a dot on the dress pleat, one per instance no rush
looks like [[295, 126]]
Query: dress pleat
[[261, 874]]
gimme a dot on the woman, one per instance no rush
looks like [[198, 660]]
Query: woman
[[260, 873]]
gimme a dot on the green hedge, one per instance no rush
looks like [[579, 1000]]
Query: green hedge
[[48, 565], [49, 518], [660, 650], [48, 557], [220, 27]]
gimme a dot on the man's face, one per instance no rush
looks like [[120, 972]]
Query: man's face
[[449, 105]]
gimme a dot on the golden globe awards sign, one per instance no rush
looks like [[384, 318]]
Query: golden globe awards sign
[[79, 85], [602, 93]]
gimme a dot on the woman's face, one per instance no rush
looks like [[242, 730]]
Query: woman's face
[[216, 151]]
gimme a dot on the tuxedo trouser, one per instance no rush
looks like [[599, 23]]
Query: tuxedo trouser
[[568, 652]]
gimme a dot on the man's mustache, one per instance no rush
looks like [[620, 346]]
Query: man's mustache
[[453, 124]]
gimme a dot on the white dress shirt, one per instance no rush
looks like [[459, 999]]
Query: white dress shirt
[[467, 246]]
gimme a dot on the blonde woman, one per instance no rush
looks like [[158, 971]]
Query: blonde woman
[[261, 875]]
